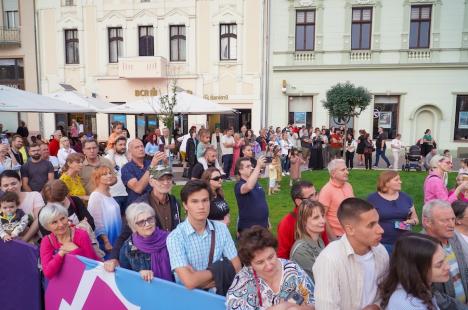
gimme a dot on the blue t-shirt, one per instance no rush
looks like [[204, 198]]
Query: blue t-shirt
[[389, 212], [253, 208], [131, 170]]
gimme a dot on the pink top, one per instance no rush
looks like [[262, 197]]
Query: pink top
[[50, 259], [331, 195], [434, 188]]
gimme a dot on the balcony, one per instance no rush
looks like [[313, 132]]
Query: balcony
[[360, 56], [143, 67], [9, 36], [419, 54], [304, 56]]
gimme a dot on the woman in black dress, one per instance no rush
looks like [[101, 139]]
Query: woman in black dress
[[316, 157], [360, 147]]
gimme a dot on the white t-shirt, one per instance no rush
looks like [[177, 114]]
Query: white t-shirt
[[396, 145], [118, 189], [369, 288], [228, 140], [285, 146]]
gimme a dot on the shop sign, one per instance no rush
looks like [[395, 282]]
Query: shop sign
[[216, 98], [146, 92]]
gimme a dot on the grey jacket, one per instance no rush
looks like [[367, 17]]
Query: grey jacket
[[445, 292], [304, 252]]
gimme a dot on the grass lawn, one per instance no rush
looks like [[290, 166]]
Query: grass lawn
[[363, 182]]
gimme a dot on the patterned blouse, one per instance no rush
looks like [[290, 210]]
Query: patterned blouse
[[74, 184], [243, 292]]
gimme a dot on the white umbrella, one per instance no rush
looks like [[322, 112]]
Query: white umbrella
[[16, 100], [77, 98], [186, 104]]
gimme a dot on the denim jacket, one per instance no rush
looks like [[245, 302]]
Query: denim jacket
[[132, 258]]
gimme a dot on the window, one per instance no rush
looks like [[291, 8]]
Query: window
[[177, 38], [71, 47], [12, 72], [146, 41], [145, 124], [461, 118], [386, 115], [121, 118], [11, 19], [305, 30], [10, 13], [115, 44], [361, 29], [420, 29], [228, 42], [69, 2], [300, 111]]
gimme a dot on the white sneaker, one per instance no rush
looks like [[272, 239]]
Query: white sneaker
[[283, 174]]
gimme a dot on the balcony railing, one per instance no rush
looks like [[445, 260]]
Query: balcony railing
[[143, 67], [306, 56], [360, 56], [10, 36], [422, 54]]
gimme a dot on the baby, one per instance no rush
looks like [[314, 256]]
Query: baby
[[13, 221]]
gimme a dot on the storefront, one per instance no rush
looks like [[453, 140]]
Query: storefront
[[11, 75]]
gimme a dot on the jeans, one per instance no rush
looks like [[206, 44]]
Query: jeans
[[285, 163], [227, 163], [368, 160], [349, 159], [378, 153], [122, 201]]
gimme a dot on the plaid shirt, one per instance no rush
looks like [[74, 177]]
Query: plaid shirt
[[186, 247]]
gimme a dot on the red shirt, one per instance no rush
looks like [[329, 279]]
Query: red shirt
[[54, 147], [286, 236], [338, 144]]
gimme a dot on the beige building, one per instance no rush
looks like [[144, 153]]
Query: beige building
[[412, 55], [120, 51], [18, 57]]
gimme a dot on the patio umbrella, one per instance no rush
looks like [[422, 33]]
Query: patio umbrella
[[79, 99], [186, 104], [16, 100]]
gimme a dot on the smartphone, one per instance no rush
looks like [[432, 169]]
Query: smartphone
[[295, 298], [268, 159], [402, 225], [4, 139]]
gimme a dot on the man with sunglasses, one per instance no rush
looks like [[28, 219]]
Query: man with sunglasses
[[286, 228], [165, 205]]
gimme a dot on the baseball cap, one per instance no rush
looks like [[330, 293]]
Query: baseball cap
[[160, 171]]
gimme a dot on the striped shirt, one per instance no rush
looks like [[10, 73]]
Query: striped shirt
[[455, 274]]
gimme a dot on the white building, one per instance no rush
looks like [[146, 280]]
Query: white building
[[121, 50], [412, 55]]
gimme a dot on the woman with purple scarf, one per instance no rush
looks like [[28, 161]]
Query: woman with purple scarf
[[145, 250]]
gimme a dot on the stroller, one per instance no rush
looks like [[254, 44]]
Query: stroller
[[412, 157]]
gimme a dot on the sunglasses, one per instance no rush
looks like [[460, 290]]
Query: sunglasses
[[216, 178], [150, 221]]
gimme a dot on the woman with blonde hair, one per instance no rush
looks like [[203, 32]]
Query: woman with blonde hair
[[71, 175], [310, 225], [104, 209]]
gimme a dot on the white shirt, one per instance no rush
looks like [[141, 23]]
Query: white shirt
[[55, 162], [339, 277], [183, 140], [285, 146], [118, 189], [63, 154], [228, 140], [396, 145], [369, 290]]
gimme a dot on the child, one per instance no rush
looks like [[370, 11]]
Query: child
[[13, 221], [272, 177], [463, 166], [277, 163], [296, 160]]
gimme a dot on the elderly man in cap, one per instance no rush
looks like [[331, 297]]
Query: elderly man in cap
[[165, 205]]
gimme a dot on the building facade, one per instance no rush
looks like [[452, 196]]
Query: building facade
[[120, 51], [412, 55], [18, 66]]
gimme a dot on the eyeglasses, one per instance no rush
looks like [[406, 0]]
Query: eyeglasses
[[217, 178], [150, 221]]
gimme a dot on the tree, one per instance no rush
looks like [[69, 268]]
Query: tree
[[344, 101], [167, 104]]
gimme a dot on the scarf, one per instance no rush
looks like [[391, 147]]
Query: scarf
[[155, 245]]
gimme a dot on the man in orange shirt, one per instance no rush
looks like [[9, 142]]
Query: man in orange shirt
[[333, 193]]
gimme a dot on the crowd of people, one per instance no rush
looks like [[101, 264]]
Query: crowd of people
[[331, 251]]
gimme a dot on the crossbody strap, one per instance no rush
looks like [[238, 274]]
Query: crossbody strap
[[212, 246]]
